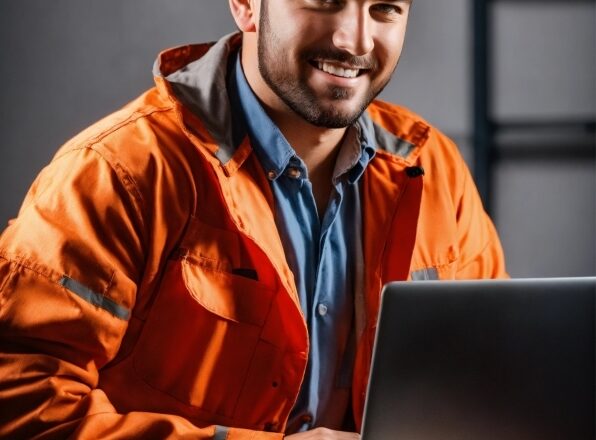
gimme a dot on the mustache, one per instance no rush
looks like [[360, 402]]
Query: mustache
[[368, 62]]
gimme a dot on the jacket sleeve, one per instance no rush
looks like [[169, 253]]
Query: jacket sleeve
[[70, 265], [481, 254]]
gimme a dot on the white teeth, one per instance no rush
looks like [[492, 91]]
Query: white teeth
[[338, 71]]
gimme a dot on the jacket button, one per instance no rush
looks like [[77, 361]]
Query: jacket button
[[415, 171]]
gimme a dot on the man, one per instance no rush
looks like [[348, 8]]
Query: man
[[207, 262]]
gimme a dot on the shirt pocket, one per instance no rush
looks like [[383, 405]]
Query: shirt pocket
[[204, 326]]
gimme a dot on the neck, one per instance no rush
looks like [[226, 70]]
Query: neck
[[314, 145], [318, 147]]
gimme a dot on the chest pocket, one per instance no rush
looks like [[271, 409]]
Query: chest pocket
[[204, 326]]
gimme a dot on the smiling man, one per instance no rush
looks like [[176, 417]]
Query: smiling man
[[207, 262]]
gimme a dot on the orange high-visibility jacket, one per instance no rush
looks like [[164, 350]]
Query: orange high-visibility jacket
[[121, 314]]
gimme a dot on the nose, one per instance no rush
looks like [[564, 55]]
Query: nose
[[353, 33]]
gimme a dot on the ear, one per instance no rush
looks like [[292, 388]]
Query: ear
[[245, 14]]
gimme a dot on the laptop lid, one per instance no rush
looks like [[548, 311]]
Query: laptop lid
[[491, 359]]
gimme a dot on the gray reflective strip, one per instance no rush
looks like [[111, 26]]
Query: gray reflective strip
[[221, 432], [224, 153], [391, 143], [428, 274], [94, 298]]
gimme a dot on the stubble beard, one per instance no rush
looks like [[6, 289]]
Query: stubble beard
[[294, 91]]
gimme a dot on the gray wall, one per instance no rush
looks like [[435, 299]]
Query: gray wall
[[66, 63]]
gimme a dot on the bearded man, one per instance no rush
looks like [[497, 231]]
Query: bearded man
[[207, 262]]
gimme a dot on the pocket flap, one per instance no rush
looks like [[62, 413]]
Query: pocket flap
[[232, 297]]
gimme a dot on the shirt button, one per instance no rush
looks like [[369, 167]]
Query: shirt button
[[271, 175], [294, 173], [322, 309]]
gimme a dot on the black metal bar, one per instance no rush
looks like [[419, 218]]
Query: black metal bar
[[568, 153], [579, 126], [483, 131], [540, 1]]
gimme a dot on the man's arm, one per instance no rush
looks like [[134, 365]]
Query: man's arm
[[70, 266], [481, 254]]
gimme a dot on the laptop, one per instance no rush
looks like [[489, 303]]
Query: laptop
[[484, 360]]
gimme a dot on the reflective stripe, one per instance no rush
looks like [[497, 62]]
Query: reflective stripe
[[95, 298], [221, 432], [224, 153], [427, 274], [389, 142]]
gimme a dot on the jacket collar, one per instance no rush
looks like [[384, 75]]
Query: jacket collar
[[195, 76]]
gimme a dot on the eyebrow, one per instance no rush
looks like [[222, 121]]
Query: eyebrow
[[399, 1]]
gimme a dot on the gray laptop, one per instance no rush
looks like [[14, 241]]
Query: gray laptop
[[484, 360]]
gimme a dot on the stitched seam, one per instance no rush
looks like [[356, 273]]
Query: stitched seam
[[126, 180], [484, 248], [10, 273], [385, 155], [252, 357], [379, 270], [133, 117], [109, 285], [22, 262], [123, 177], [434, 266], [9, 277]]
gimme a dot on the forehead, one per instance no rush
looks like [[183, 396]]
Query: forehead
[[337, 3], [329, 7]]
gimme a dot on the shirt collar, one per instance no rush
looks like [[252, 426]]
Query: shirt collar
[[272, 148], [356, 152]]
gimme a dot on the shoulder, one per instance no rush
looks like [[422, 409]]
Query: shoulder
[[143, 143], [137, 123], [417, 138]]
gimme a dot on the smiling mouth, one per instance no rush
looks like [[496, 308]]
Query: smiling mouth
[[337, 70]]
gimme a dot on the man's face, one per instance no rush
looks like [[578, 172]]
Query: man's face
[[328, 59]]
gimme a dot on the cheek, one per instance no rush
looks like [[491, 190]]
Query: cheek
[[389, 50]]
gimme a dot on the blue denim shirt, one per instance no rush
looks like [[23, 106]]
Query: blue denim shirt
[[324, 253]]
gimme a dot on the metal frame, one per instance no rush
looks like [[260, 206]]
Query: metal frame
[[485, 131]]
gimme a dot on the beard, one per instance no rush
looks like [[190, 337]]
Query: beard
[[293, 89]]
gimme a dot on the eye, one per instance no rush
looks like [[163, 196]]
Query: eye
[[387, 9], [326, 3]]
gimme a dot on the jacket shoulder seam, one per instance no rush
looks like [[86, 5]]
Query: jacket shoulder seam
[[126, 179], [10, 274], [97, 138], [123, 175]]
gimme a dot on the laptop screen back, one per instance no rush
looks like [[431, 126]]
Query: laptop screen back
[[510, 359]]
